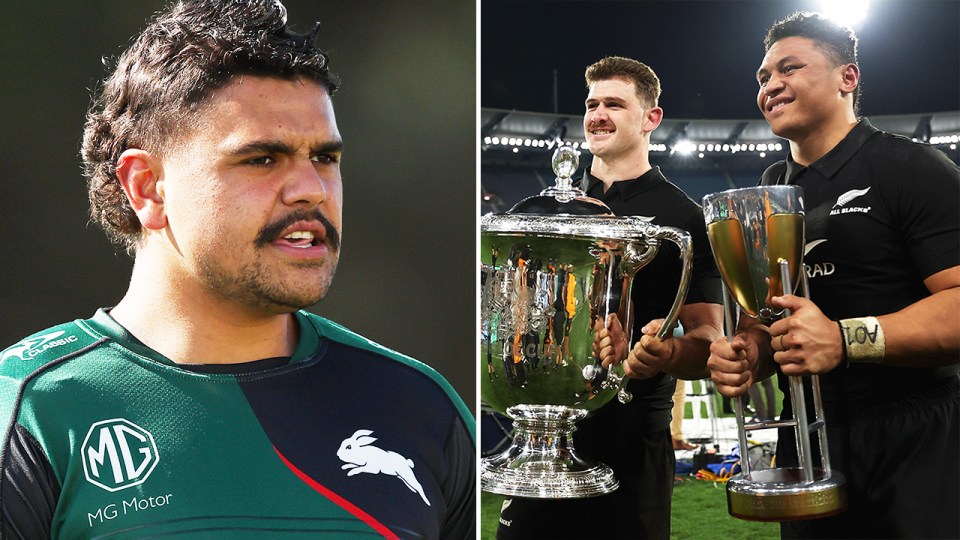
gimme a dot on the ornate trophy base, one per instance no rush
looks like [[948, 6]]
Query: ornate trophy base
[[782, 495], [541, 462]]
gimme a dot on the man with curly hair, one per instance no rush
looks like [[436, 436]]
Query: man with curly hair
[[881, 327], [206, 401]]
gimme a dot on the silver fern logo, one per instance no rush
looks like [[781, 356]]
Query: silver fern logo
[[850, 195], [841, 205]]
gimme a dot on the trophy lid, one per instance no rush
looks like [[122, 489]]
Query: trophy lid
[[566, 211], [563, 198]]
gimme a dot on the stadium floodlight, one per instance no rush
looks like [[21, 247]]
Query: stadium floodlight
[[845, 12], [684, 147]]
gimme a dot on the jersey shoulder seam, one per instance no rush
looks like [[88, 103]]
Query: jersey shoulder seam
[[15, 410], [348, 338]]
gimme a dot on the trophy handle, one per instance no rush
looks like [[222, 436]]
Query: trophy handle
[[682, 239]]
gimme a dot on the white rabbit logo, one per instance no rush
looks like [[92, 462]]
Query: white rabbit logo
[[362, 458]]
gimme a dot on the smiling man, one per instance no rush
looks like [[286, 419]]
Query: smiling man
[[207, 402], [881, 328], [634, 439]]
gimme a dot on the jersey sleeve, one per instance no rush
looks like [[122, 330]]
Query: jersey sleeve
[[29, 486], [705, 279], [926, 200], [29, 489]]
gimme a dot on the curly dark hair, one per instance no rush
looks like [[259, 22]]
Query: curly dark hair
[[837, 42], [161, 83], [618, 67]]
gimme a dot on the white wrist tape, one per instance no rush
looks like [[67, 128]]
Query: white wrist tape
[[863, 339]]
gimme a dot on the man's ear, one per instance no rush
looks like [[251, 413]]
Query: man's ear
[[652, 119], [141, 175], [849, 78]]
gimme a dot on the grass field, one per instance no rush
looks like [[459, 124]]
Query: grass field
[[699, 509], [699, 512]]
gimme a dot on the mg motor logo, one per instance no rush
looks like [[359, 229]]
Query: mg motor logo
[[118, 454]]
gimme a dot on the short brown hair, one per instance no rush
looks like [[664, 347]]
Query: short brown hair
[[640, 74], [162, 82]]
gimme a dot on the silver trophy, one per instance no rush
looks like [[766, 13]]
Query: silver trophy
[[555, 269], [757, 236]]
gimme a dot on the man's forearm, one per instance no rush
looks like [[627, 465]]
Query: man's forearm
[[691, 352], [923, 334]]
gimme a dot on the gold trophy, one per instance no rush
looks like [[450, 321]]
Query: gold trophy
[[757, 236]]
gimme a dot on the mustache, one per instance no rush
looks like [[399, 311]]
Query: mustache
[[272, 230]]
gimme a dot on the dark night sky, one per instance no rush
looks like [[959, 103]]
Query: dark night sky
[[706, 53]]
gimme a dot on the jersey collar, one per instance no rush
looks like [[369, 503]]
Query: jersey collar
[[626, 189], [106, 325], [831, 163]]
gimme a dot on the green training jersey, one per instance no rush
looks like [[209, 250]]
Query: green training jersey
[[105, 438]]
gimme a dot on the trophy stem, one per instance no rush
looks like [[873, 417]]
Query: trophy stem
[[797, 399], [817, 399], [801, 427], [729, 323], [541, 462]]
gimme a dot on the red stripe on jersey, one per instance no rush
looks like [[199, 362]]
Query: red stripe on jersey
[[340, 501]]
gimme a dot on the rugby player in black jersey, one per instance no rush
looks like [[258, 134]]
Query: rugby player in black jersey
[[881, 328], [634, 439]]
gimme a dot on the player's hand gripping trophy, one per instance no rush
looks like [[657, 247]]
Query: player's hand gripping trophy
[[555, 271], [757, 237]]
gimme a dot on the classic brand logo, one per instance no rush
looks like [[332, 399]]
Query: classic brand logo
[[29, 348], [118, 454]]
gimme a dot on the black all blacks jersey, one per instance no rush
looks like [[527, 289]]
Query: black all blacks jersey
[[882, 215], [655, 286], [105, 438]]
